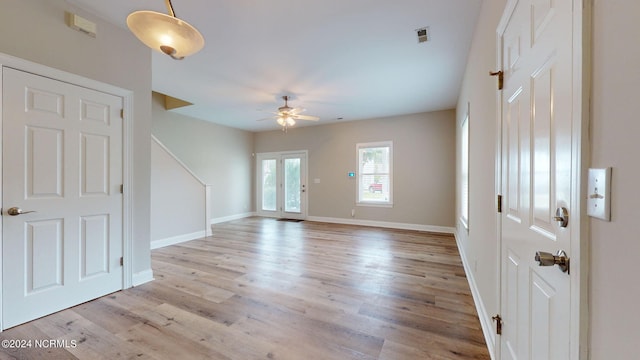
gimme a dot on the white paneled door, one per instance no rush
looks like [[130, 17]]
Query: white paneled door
[[539, 168], [62, 204]]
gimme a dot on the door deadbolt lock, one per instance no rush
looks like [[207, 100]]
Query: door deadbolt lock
[[562, 217], [548, 259]]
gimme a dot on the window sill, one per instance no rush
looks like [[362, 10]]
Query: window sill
[[372, 204]]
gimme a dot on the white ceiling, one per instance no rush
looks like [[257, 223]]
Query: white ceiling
[[349, 59]]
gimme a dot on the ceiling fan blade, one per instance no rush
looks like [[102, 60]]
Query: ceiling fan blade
[[306, 117]]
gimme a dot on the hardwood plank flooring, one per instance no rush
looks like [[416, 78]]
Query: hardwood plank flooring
[[266, 289]]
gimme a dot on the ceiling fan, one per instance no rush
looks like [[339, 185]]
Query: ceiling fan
[[287, 116]]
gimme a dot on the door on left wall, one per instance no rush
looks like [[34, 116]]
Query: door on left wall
[[61, 195]]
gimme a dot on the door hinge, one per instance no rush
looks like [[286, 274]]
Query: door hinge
[[499, 200], [121, 261], [498, 321], [122, 113], [500, 76], [121, 188]]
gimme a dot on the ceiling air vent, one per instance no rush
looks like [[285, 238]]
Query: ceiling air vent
[[423, 34]]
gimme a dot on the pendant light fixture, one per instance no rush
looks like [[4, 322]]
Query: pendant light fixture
[[165, 33]]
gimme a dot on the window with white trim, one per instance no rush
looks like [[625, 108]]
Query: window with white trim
[[464, 172], [375, 175]]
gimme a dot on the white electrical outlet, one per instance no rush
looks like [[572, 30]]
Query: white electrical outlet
[[599, 193]]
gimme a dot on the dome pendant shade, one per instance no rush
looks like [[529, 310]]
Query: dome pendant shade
[[165, 33]]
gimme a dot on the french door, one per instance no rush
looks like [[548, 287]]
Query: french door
[[282, 185]]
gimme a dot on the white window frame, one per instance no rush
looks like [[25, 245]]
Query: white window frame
[[464, 172], [359, 190]]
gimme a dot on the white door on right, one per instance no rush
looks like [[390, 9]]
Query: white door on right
[[293, 186], [537, 177]]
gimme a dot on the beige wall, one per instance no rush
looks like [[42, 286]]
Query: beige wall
[[615, 131], [478, 93], [178, 199], [423, 161], [219, 155], [614, 287], [35, 30]]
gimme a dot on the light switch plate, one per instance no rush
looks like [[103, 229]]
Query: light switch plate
[[599, 193]]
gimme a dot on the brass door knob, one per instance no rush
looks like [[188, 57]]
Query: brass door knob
[[548, 259], [15, 211]]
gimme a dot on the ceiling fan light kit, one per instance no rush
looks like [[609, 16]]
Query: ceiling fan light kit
[[285, 121], [287, 116], [165, 33]]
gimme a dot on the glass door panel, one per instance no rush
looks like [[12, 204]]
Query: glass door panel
[[292, 185], [269, 185]]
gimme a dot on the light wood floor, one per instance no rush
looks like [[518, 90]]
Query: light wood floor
[[266, 289]]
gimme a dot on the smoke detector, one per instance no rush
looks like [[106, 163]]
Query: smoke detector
[[424, 34]]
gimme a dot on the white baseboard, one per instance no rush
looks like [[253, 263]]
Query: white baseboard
[[155, 244], [485, 319], [231, 218], [142, 277], [384, 224]]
